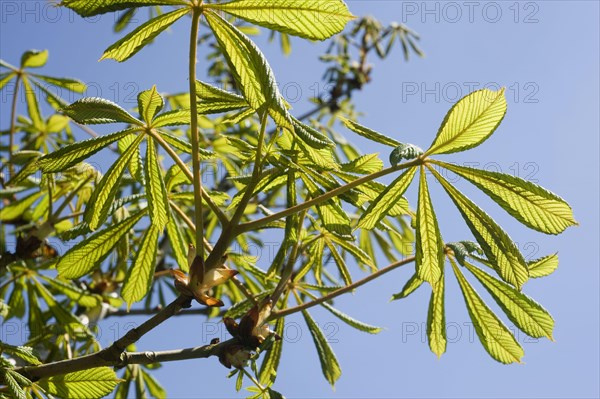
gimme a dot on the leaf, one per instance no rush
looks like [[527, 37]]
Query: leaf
[[87, 254], [527, 202], [32, 105], [499, 249], [74, 293], [365, 164], [156, 193], [172, 118], [104, 194], [250, 69], [141, 274], [314, 20], [359, 325], [69, 155], [311, 136], [497, 340], [329, 364], [370, 134], [89, 8], [436, 319], [392, 194], [70, 84], [526, 313], [543, 266], [429, 243], [470, 122], [268, 368], [87, 384], [214, 100], [94, 110], [135, 40], [404, 151], [186, 147], [154, 387], [16, 209], [34, 58], [411, 286], [177, 244], [26, 353], [150, 103], [14, 388]]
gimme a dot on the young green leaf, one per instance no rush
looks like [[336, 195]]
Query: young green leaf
[[214, 100], [429, 243], [329, 364], [14, 388], [436, 319], [268, 368], [140, 275], [527, 202], [32, 105], [543, 266], [102, 198], [89, 8], [135, 40], [70, 84], [74, 293], [17, 208], [154, 387], [87, 384], [411, 286], [87, 254], [365, 164], [67, 156], [470, 122], [499, 249], [359, 325], [156, 193], [314, 20], [250, 69], [526, 313], [34, 58], [26, 353], [178, 245], [311, 136], [172, 118], [369, 133], [150, 103], [93, 110], [495, 337], [379, 207], [404, 151]]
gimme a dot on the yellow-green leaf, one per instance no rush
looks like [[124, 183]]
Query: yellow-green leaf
[[436, 319], [499, 249], [178, 246], [89, 8], [470, 122], [156, 193], [411, 286], [34, 58], [527, 202], [69, 155], [250, 69], [102, 198], [369, 133], [150, 103], [268, 368], [329, 364], [142, 35], [315, 20], [543, 266], [32, 105], [214, 100], [87, 254], [141, 274], [379, 207], [93, 110], [495, 337], [526, 313], [87, 384], [429, 244]]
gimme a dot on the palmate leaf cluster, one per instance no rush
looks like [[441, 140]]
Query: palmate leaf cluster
[[126, 226]]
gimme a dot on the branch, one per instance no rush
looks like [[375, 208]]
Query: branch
[[149, 357], [256, 224], [340, 291], [106, 357]]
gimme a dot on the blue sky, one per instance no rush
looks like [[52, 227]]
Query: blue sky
[[546, 54]]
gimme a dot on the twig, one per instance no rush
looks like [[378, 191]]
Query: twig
[[340, 291]]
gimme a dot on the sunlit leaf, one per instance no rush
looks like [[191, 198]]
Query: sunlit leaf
[[134, 41], [156, 193], [141, 274], [411, 286], [436, 319], [495, 337], [527, 202], [34, 58], [93, 110], [369, 133], [268, 368], [87, 254], [543, 266], [150, 103], [316, 20], [87, 384], [89, 8], [329, 364], [470, 122]]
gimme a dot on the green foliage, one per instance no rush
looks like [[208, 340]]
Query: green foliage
[[132, 227]]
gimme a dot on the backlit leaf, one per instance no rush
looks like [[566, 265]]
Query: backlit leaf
[[329, 364], [369, 133], [156, 193], [436, 319], [141, 274], [543, 266], [89, 8], [93, 110], [87, 384]]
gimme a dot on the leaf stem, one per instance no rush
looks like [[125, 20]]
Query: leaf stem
[[13, 119], [256, 224], [340, 291], [197, 179]]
